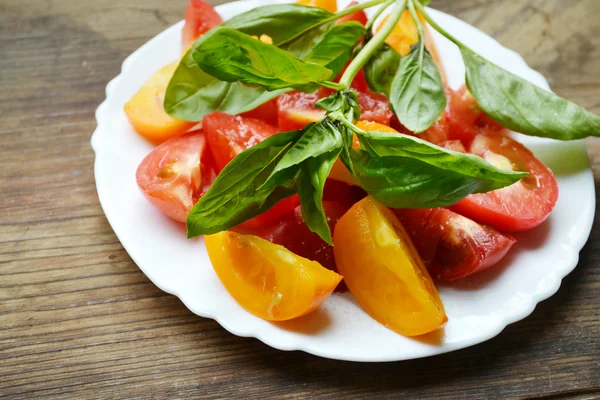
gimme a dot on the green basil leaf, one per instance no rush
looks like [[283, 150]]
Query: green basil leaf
[[317, 139], [311, 182], [302, 45], [335, 48], [417, 93], [404, 171], [238, 193], [281, 22], [232, 56], [192, 93], [524, 107], [381, 69]]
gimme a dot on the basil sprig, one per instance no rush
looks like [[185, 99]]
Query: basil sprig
[[231, 71]]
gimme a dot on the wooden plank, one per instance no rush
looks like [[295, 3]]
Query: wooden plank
[[79, 320]]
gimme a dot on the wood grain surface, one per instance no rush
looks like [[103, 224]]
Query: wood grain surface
[[79, 320]]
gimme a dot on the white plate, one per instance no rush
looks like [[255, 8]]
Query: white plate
[[478, 308]]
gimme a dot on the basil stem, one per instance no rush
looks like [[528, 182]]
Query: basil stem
[[363, 56]]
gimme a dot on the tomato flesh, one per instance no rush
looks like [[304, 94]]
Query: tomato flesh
[[384, 272], [520, 206], [200, 17], [266, 112], [297, 109], [268, 280], [450, 245], [229, 135], [176, 174]]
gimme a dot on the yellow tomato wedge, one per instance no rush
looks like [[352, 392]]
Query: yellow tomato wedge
[[329, 5], [146, 112], [266, 279], [339, 171], [406, 34], [384, 272]]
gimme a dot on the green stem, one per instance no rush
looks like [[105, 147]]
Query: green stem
[[436, 26], [332, 85], [361, 58], [336, 16], [380, 10]]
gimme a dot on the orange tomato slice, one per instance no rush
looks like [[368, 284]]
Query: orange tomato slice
[[146, 112], [266, 279], [406, 34], [384, 272], [329, 5], [339, 171]]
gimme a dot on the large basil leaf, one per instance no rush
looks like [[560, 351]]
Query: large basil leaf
[[417, 93], [302, 45], [281, 22], [404, 171], [381, 69], [524, 107], [335, 48], [238, 193], [317, 139], [311, 182], [192, 93], [232, 56]]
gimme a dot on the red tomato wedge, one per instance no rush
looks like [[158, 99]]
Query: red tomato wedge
[[520, 206], [297, 109], [358, 16], [453, 246], [273, 214], [266, 112], [200, 17], [176, 174], [229, 135]]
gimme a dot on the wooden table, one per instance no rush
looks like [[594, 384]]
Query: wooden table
[[78, 318]]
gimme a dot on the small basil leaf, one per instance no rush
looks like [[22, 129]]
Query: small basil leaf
[[192, 93], [232, 56], [335, 48], [281, 22], [417, 93], [238, 193], [419, 162], [317, 139], [311, 182], [381, 69], [524, 107]]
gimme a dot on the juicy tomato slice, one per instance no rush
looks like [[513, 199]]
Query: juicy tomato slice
[[229, 135], [266, 279], [297, 109], [450, 245], [273, 214], [176, 174], [455, 145], [200, 17], [329, 5], [464, 117], [147, 114], [266, 112], [358, 16], [383, 270], [520, 206], [291, 232]]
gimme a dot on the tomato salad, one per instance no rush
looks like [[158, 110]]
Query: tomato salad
[[358, 170]]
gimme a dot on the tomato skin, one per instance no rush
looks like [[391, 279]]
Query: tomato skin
[[283, 207], [176, 174], [329, 5], [358, 16], [450, 245], [229, 135], [291, 232], [268, 280], [200, 17], [521, 206]]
